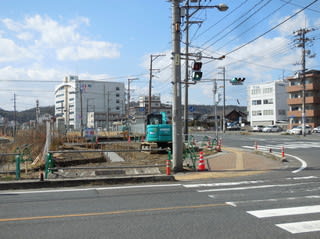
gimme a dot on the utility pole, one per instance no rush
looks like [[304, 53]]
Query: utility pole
[[128, 99], [176, 72], [224, 100], [301, 42], [15, 115], [37, 113], [81, 112], [152, 58], [220, 7], [215, 107]]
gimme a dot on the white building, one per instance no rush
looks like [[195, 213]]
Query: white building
[[267, 103], [74, 98]]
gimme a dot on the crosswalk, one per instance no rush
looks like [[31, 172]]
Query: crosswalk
[[295, 208], [292, 227], [286, 145]]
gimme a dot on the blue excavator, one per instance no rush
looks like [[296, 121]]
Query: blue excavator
[[158, 133]]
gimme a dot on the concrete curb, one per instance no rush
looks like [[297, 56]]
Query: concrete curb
[[53, 183]]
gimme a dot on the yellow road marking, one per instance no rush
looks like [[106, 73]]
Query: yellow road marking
[[112, 212]]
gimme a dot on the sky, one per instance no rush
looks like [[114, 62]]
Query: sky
[[42, 41]]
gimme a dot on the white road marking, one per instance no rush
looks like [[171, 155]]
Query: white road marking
[[220, 184], [302, 178], [250, 187], [303, 163], [301, 227], [285, 211], [89, 189], [236, 203]]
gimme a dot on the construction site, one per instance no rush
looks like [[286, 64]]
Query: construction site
[[31, 156]]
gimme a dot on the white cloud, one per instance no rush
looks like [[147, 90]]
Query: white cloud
[[10, 51], [65, 41], [89, 50], [297, 22]]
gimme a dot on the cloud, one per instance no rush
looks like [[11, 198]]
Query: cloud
[[297, 22], [10, 51], [88, 50], [39, 35]]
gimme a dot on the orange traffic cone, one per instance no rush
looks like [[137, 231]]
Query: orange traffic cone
[[201, 164]]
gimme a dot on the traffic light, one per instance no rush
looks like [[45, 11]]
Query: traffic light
[[196, 71], [237, 81]]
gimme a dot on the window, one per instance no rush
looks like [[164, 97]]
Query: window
[[295, 108], [268, 90], [255, 91], [117, 95], [256, 112], [282, 112], [117, 108], [117, 101], [256, 102], [268, 112], [268, 101], [117, 88]]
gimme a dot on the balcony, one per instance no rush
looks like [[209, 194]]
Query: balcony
[[309, 113], [309, 100], [297, 88]]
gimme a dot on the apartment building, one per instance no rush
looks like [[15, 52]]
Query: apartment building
[[75, 98], [267, 103], [312, 99]]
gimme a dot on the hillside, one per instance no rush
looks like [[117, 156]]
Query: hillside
[[26, 115], [30, 114]]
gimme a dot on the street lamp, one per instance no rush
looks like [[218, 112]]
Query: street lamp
[[221, 7]]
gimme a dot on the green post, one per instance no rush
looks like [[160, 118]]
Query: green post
[[49, 164], [18, 159]]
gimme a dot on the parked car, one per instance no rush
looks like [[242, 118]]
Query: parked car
[[298, 130], [257, 128], [316, 130], [272, 128], [290, 131]]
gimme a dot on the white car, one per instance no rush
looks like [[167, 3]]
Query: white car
[[298, 130], [272, 128], [257, 128], [316, 130]]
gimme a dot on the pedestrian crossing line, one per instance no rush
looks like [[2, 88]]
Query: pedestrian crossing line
[[300, 227], [250, 187], [236, 203], [285, 211]]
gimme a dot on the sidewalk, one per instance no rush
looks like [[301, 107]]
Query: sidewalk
[[233, 162]]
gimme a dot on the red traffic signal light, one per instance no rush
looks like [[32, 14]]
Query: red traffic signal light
[[197, 66]]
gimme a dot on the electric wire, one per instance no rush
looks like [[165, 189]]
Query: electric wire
[[255, 25], [235, 21], [271, 29]]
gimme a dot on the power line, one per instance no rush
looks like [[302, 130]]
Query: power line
[[246, 19], [256, 24], [271, 29]]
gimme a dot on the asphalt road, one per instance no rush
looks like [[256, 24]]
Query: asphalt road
[[278, 204]]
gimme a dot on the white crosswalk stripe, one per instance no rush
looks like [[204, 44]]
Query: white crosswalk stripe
[[292, 227], [301, 218], [301, 227], [278, 212], [286, 145]]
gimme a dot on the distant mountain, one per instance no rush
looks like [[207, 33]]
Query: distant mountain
[[26, 115]]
